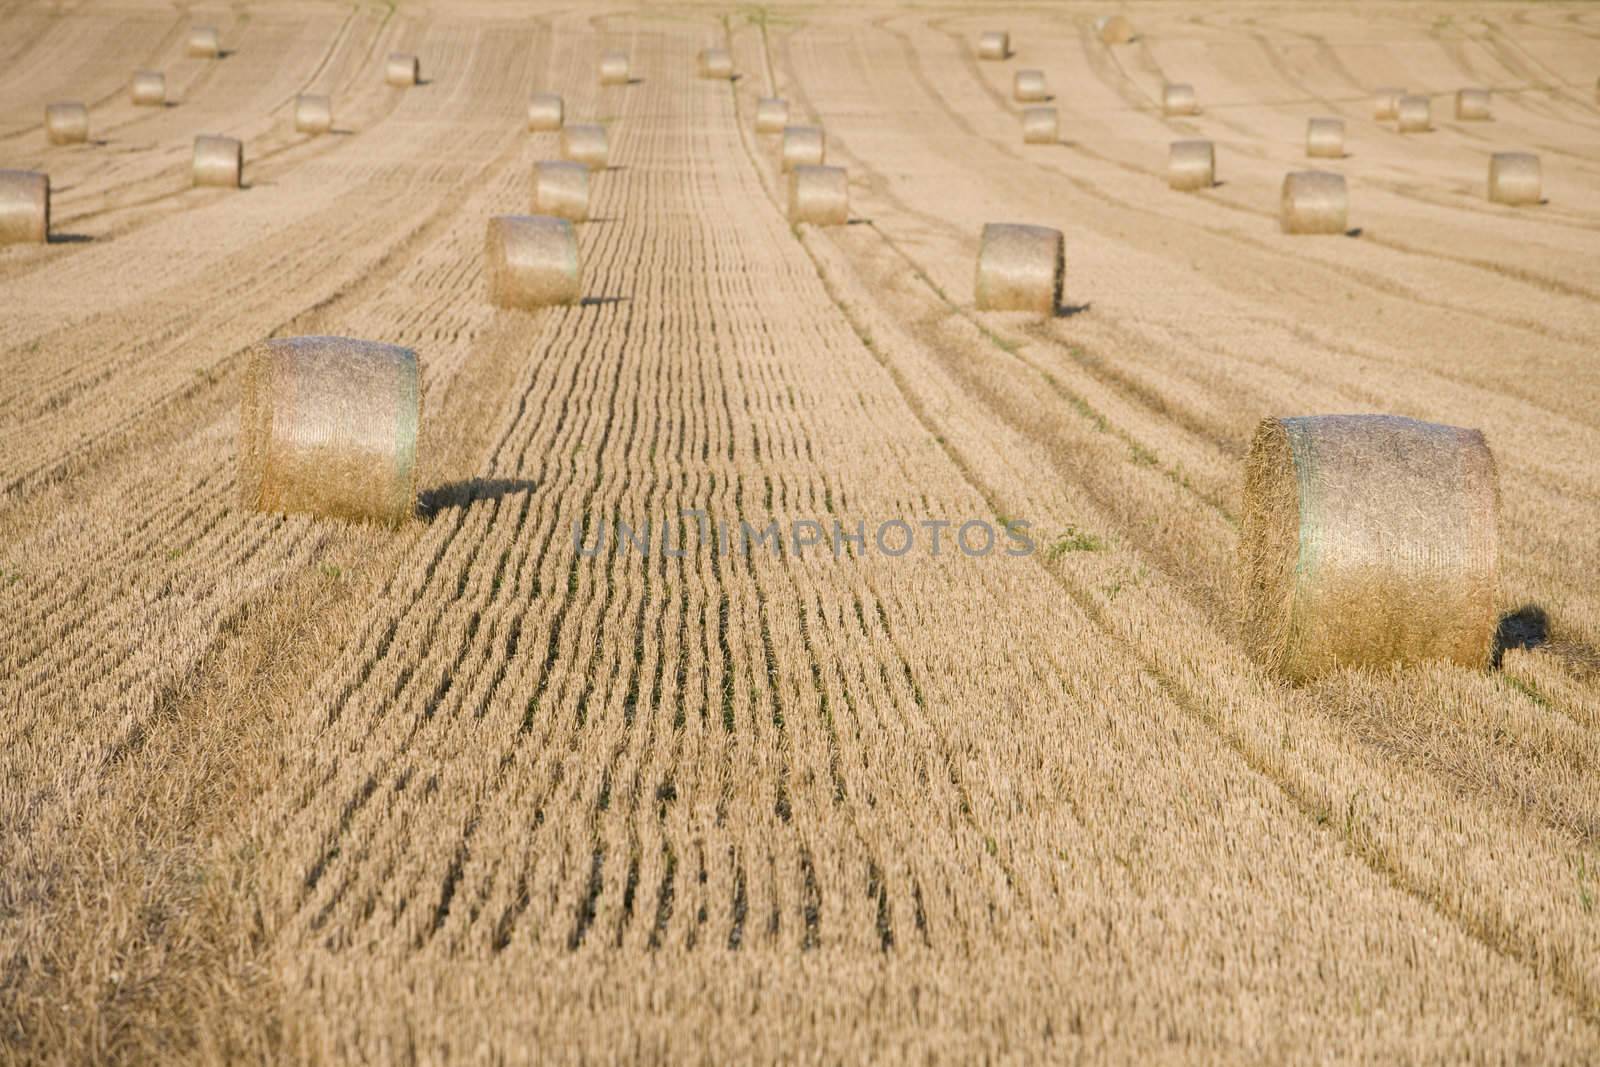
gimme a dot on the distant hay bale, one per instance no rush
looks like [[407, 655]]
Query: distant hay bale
[[561, 189], [1472, 105], [1325, 138], [204, 42], [218, 161], [1192, 165], [1368, 540], [803, 146], [1415, 114], [66, 123], [1515, 178], [1020, 268], [772, 114], [994, 44], [532, 261], [1113, 29], [819, 195], [1028, 85], [148, 88], [1040, 125], [328, 427], [1386, 103], [715, 63], [545, 111], [24, 207], [313, 113], [586, 144], [1314, 201], [402, 70], [614, 68], [1179, 99]]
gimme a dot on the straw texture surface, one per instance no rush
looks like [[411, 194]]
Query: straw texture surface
[[1020, 268], [819, 195], [532, 261], [328, 426], [1368, 540], [561, 189], [24, 207]]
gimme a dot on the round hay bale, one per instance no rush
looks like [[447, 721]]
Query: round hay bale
[[1028, 85], [561, 189], [819, 195], [1386, 103], [586, 144], [545, 111], [1415, 114], [716, 63], [1020, 268], [1314, 201], [803, 146], [1472, 105], [1192, 165], [204, 42], [1368, 540], [994, 44], [148, 88], [614, 68], [402, 70], [772, 114], [1179, 99], [1325, 138], [1515, 178], [218, 161], [313, 114], [1113, 29], [24, 207], [66, 123], [533, 261], [328, 427], [1040, 125]]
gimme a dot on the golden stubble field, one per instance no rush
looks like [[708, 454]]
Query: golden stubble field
[[285, 789]]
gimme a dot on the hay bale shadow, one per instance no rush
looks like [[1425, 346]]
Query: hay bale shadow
[[1066, 311], [70, 239], [600, 301], [1526, 627], [465, 493], [1353, 232]]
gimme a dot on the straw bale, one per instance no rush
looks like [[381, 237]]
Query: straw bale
[[586, 144], [614, 68], [545, 111], [532, 261], [994, 44], [313, 113], [772, 114], [1192, 165], [1472, 105], [1179, 99], [803, 145], [1515, 178], [204, 42], [1415, 114], [1020, 268], [1325, 138], [66, 123], [24, 207], [1314, 201], [1040, 125], [561, 188], [1113, 29], [715, 63], [402, 70], [1028, 86], [148, 88], [819, 195], [218, 161], [1386, 103]]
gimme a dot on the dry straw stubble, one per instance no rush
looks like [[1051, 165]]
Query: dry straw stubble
[[1113, 29], [313, 113], [587, 144], [1325, 138], [66, 123], [328, 427], [1192, 165], [148, 88], [1029, 85], [545, 111], [803, 146], [994, 44], [1414, 114], [614, 68], [204, 43], [1040, 125], [715, 63], [1020, 268], [532, 261], [1314, 201], [772, 114], [24, 207], [1179, 99], [1472, 105], [1368, 540], [819, 195], [561, 189], [1515, 178], [218, 161], [402, 70]]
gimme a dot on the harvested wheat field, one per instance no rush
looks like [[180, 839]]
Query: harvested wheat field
[[783, 659]]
